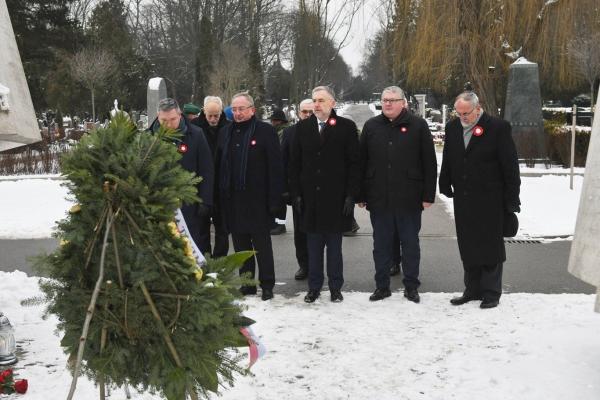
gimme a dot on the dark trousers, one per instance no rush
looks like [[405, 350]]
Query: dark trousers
[[261, 243], [300, 242], [221, 236], [335, 264], [408, 226], [483, 281]]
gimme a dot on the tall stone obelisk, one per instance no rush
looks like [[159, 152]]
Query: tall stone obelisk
[[523, 110], [584, 261], [18, 125]]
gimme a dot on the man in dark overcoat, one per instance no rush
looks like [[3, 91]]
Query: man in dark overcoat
[[306, 110], [251, 188], [212, 120], [399, 173], [325, 181], [480, 171], [195, 157]]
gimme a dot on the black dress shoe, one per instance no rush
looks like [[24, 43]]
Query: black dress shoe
[[336, 295], [311, 296], [301, 274], [248, 290], [278, 230], [395, 270], [412, 295], [267, 294], [489, 303], [380, 294], [458, 301]]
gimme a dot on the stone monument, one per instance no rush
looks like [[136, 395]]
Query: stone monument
[[18, 125], [584, 261], [157, 90], [524, 110]]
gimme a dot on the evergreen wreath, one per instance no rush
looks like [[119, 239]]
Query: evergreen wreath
[[134, 306]]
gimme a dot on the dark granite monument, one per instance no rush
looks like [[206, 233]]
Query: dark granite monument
[[524, 110]]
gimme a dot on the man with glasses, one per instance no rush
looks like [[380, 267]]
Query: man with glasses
[[306, 110], [212, 119], [480, 170], [251, 188], [399, 172], [195, 157], [324, 181]]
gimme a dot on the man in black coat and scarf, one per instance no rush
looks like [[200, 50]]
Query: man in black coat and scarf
[[251, 188], [212, 120], [480, 170], [195, 157], [399, 172], [325, 181]]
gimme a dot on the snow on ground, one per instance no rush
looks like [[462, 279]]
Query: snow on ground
[[29, 208], [534, 346]]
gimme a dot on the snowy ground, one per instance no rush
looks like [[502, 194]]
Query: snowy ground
[[29, 207], [532, 347]]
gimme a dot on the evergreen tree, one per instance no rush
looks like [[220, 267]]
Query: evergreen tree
[[155, 320], [42, 28]]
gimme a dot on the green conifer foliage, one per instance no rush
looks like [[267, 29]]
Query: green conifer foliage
[[159, 323]]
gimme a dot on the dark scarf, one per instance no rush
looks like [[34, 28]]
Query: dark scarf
[[248, 128]]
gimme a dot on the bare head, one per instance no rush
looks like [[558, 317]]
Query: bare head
[[169, 113], [393, 102], [467, 108], [213, 107], [306, 108], [242, 106], [323, 98]]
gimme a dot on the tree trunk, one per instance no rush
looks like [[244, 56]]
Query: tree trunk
[[93, 108]]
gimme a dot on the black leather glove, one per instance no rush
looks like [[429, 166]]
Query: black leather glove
[[348, 206], [298, 205], [203, 210], [513, 209]]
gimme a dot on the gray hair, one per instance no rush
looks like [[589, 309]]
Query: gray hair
[[469, 97], [168, 104], [305, 101], [213, 99], [394, 89], [326, 89], [244, 95]]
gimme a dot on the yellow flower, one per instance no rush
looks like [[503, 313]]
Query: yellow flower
[[64, 242], [75, 209], [173, 227], [198, 274]]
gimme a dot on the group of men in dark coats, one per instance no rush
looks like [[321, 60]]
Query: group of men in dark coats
[[322, 169]]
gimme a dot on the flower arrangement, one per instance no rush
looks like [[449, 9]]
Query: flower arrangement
[[9, 385]]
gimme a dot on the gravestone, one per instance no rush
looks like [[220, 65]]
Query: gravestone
[[421, 104], [18, 125], [524, 110], [157, 90], [584, 261]]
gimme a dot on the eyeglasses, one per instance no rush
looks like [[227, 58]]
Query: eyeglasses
[[465, 114], [213, 115], [240, 109], [306, 111], [390, 101]]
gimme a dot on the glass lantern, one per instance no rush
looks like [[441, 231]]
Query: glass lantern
[[7, 342]]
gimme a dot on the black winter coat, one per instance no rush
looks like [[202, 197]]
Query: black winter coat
[[484, 181], [324, 170], [211, 132], [398, 163], [250, 195]]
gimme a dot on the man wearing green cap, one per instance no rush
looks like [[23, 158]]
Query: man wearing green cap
[[191, 111]]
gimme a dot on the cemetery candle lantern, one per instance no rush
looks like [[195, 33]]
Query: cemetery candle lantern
[[7, 342]]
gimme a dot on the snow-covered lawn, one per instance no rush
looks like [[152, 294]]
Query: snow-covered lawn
[[532, 347], [29, 207]]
